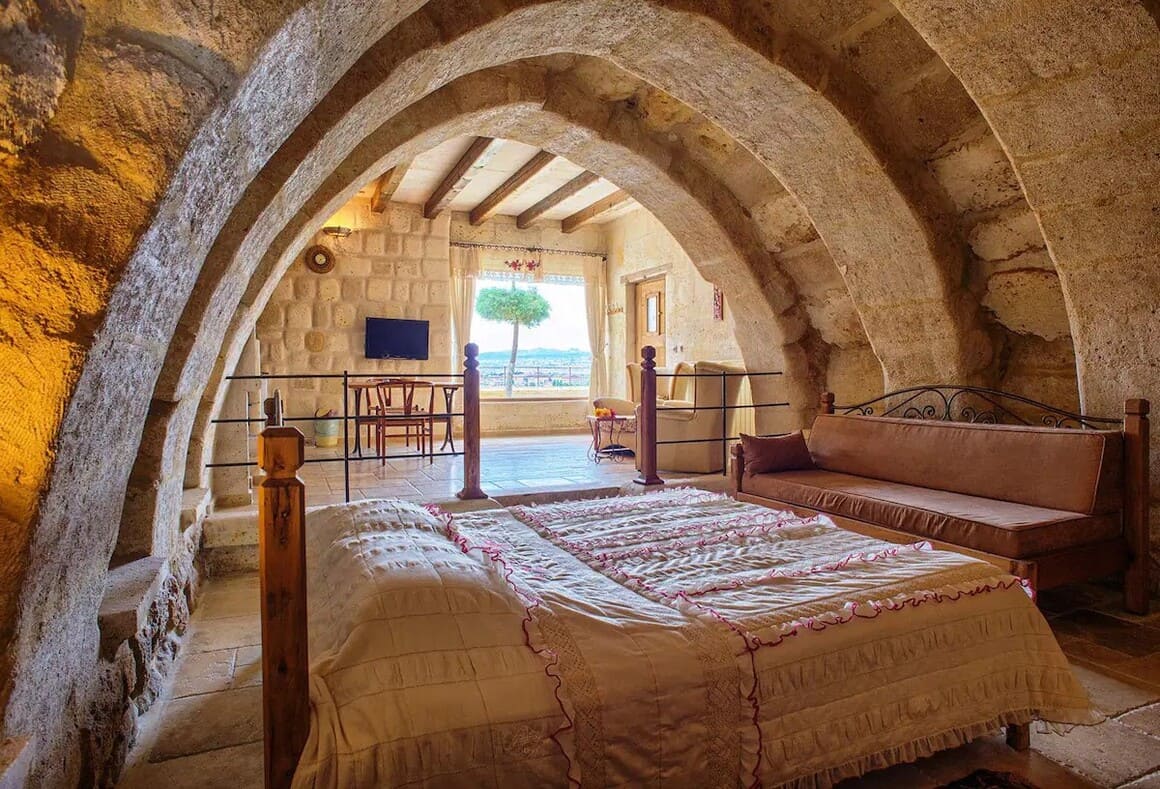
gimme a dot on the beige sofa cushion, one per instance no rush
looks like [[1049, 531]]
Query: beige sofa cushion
[[1072, 470], [1000, 527]]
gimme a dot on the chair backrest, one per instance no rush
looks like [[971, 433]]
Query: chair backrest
[[633, 371], [405, 403], [684, 384]]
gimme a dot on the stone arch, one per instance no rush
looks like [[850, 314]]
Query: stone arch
[[1072, 96], [702, 215], [230, 150]]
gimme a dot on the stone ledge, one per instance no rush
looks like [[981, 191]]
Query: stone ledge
[[15, 761], [129, 592], [195, 505]]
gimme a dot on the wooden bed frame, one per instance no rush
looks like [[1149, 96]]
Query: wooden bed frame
[[282, 567], [282, 572]]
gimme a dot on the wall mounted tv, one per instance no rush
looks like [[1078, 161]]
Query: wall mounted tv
[[392, 338]]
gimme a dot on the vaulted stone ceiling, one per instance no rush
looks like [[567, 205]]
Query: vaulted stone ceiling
[[963, 189]]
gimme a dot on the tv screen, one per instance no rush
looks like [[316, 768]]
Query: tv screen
[[393, 338]]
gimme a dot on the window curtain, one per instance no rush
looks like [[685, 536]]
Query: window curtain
[[464, 271], [596, 297]]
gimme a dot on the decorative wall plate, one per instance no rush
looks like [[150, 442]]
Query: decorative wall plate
[[319, 259]]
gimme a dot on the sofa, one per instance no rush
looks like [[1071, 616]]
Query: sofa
[[1052, 505]]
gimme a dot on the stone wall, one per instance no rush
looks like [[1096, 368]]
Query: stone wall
[[143, 136], [395, 265], [637, 243]]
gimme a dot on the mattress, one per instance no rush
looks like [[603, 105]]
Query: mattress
[[679, 638]]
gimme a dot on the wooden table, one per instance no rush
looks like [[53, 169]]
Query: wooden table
[[449, 389], [358, 387], [615, 427]]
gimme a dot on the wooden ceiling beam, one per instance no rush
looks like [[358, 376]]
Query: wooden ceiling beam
[[570, 189], [477, 156], [490, 204], [594, 211], [386, 185]]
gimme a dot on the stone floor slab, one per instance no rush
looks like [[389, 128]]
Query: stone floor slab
[[237, 767], [1110, 695], [196, 724], [1110, 754], [204, 672]]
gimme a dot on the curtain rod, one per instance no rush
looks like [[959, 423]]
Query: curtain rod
[[528, 249]]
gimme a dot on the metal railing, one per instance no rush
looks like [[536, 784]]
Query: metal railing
[[536, 376], [647, 429], [449, 383]]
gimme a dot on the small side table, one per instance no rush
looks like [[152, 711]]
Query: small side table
[[607, 434]]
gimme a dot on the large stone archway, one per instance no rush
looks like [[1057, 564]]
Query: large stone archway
[[67, 464], [1072, 94], [123, 360], [704, 217]]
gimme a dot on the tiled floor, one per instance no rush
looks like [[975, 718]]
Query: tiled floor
[[507, 465]]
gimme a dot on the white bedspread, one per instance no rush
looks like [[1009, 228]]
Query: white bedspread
[[678, 639]]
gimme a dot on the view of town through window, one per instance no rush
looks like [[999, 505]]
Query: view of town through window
[[550, 345]]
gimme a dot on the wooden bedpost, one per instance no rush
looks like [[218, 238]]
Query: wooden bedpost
[[1019, 736], [471, 427], [1137, 496], [827, 403], [737, 469], [646, 428], [282, 570]]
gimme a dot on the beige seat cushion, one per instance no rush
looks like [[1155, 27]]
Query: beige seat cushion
[[1004, 528]]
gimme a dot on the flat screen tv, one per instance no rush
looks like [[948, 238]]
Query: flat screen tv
[[394, 338]]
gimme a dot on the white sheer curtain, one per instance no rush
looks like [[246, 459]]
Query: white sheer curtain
[[596, 297], [464, 271]]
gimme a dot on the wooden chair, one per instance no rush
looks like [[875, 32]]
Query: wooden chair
[[404, 412]]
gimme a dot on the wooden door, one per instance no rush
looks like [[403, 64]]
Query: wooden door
[[650, 317]]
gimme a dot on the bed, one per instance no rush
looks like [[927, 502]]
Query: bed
[[678, 638]]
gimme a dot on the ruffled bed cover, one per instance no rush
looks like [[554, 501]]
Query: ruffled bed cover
[[679, 638]]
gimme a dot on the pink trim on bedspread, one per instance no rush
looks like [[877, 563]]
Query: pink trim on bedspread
[[604, 563], [530, 602]]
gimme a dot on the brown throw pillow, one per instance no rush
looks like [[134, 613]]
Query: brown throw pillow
[[776, 453]]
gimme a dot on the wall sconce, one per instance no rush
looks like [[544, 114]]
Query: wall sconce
[[337, 231], [617, 310]]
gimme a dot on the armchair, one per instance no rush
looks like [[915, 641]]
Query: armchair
[[678, 421], [664, 385]]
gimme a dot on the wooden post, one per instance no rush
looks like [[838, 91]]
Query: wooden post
[[471, 428], [738, 468], [646, 428], [827, 403], [1137, 500], [282, 569], [1019, 736]]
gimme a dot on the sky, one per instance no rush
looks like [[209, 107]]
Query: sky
[[566, 327]]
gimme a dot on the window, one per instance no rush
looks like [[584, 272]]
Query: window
[[550, 342]]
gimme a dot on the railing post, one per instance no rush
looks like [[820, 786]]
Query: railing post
[[346, 435], [282, 571], [646, 429], [1137, 497], [827, 402], [471, 427], [724, 428]]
